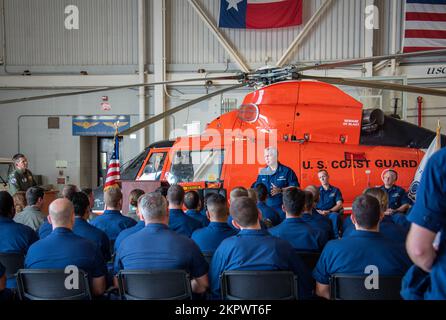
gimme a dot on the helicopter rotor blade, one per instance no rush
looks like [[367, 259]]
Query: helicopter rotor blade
[[176, 109], [377, 85], [65, 94], [370, 59]]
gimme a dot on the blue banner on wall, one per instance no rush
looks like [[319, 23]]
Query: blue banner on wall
[[103, 126]]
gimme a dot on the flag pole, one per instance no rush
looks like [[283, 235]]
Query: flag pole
[[438, 136]]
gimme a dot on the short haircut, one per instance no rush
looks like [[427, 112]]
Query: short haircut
[[244, 211], [252, 193], [366, 211], [262, 192], [191, 199], [80, 203], [162, 190], [175, 194], [17, 157], [217, 206], [238, 192], [380, 195], [309, 200], [314, 190], [61, 215], [19, 201], [68, 191], [134, 196], [112, 196], [323, 170], [33, 194], [6, 205], [293, 200], [152, 206], [87, 191]]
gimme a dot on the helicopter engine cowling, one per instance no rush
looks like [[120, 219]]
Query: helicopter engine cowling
[[372, 119]]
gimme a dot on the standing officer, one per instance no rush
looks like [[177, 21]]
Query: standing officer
[[21, 178], [330, 201], [275, 176], [398, 200]]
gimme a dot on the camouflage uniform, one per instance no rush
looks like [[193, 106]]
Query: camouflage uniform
[[20, 181]]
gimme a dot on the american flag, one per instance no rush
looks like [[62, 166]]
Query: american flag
[[425, 25], [113, 173]]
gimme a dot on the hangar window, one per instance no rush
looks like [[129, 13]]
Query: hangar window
[[193, 166]]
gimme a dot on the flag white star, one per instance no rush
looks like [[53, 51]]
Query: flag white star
[[233, 4]]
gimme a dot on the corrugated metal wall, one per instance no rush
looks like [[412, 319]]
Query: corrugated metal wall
[[35, 33], [382, 36]]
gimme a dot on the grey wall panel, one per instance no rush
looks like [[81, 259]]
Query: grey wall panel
[[383, 36], [35, 33]]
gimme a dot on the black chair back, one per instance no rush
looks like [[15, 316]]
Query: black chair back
[[259, 285], [12, 263], [350, 287], [52, 284], [154, 285], [309, 258], [208, 256]]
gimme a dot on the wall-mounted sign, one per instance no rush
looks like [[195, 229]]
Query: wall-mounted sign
[[103, 126]]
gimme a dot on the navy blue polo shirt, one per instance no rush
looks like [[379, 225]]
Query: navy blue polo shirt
[[269, 213], [387, 227], [429, 212], [299, 234], [112, 222], [321, 224], [351, 255], [62, 248], [229, 222], [85, 230], [182, 224], [45, 229], [283, 177], [328, 198], [15, 237], [126, 232], [168, 250], [209, 238], [194, 214], [397, 196], [258, 250]]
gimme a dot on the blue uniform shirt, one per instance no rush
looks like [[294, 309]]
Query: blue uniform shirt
[[353, 254], [45, 229], [283, 177], [269, 213], [328, 198], [258, 250], [85, 230], [15, 237], [320, 223], [62, 248], [387, 227], [126, 232], [209, 238], [112, 222], [229, 222], [429, 212], [194, 214], [299, 234], [182, 224], [157, 247], [397, 196]]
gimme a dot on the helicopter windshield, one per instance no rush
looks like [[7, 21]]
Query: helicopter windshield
[[193, 166]]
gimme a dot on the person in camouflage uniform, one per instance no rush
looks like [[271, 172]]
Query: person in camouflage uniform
[[21, 178]]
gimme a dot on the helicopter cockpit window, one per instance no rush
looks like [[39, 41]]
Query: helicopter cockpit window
[[154, 166], [192, 166]]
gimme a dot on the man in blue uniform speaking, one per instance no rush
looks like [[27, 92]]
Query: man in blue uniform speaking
[[428, 217], [275, 176]]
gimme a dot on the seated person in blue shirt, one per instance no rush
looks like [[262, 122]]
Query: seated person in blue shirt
[[178, 220], [155, 247], [210, 237], [294, 229], [366, 246], [192, 203], [69, 190], [275, 176], [399, 202], [316, 221], [428, 218], [63, 248], [255, 249], [112, 222], [330, 202], [238, 192], [133, 203], [386, 225], [85, 230], [268, 213]]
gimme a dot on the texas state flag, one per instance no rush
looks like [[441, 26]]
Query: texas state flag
[[260, 14]]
